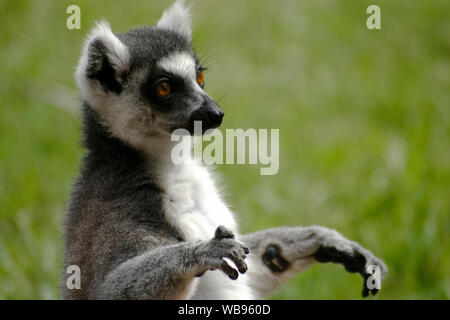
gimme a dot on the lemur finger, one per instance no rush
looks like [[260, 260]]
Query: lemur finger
[[229, 271], [238, 262], [365, 291], [223, 233]]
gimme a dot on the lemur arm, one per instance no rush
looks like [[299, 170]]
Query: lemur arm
[[278, 254], [165, 272]]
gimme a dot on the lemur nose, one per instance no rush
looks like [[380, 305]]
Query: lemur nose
[[215, 115], [213, 111]]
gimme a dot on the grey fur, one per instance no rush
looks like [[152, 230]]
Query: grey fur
[[300, 248], [117, 230]]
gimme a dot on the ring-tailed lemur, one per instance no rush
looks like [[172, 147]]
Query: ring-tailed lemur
[[140, 226]]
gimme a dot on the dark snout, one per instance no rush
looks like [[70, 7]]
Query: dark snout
[[209, 114]]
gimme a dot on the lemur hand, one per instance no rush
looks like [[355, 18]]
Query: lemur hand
[[355, 259], [287, 245], [214, 253]]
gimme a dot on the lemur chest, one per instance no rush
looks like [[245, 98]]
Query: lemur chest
[[192, 204]]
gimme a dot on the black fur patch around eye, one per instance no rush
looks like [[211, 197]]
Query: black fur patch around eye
[[272, 258], [164, 104], [100, 68]]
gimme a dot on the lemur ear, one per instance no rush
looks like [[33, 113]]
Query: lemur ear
[[105, 59], [178, 19]]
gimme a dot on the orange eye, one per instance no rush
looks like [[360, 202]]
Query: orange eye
[[163, 89], [201, 78]]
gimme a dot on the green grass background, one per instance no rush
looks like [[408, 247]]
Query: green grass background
[[363, 115]]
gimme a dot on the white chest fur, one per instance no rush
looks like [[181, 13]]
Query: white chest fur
[[192, 203]]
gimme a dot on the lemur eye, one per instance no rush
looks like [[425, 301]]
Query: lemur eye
[[163, 89], [201, 78]]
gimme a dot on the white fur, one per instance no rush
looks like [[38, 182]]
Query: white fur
[[215, 285], [193, 205], [180, 63], [178, 19], [118, 56], [132, 124]]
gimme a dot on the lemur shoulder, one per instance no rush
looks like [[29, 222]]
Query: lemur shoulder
[[140, 226]]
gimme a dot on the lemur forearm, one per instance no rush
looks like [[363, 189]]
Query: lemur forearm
[[295, 242], [278, 254], [165, 272]]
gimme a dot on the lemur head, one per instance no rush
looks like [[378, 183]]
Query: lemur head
[[148, 81]]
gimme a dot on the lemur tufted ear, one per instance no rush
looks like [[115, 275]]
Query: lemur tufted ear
[[105, 59], [178, 19]]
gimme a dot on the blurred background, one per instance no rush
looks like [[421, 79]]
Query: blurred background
[[364, 119]]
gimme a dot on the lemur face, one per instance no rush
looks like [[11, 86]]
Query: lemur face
[[146, 82]]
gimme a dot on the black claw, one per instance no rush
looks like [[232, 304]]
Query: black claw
[[233, 274], [365, 291], [243, 269], [240, 264]]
